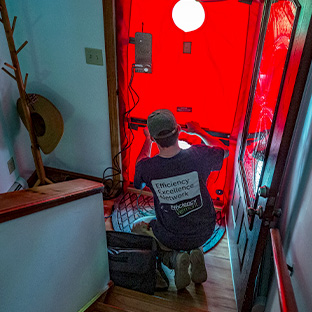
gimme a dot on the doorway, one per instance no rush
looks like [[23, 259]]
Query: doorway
[[258, 145], [195, 74]]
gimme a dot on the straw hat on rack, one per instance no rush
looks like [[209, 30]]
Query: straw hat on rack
[[47, 121]]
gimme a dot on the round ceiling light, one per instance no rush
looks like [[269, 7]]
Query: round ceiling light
[[188, 15]]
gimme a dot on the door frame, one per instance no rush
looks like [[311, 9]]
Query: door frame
[[111, 74], [110, 50], [271, 213], [270, 216]]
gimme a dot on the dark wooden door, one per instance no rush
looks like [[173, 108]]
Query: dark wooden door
[[273, 102]]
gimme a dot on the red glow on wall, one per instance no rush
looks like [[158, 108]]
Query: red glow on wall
[[206, 80], [202, 86]]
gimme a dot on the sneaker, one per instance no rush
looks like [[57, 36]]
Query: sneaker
[[198, 267], [182, 277]]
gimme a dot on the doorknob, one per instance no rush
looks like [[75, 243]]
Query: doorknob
[[259, 212], [263, 191]]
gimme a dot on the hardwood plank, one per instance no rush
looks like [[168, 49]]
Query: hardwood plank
[[212, 295], [99, 300], [140, 302], [24, 202], [215, 295], [103, 307]]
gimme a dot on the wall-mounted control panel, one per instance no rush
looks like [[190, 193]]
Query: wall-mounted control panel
[[143, 52]]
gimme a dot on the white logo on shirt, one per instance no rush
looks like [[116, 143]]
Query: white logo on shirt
[[181, 193]]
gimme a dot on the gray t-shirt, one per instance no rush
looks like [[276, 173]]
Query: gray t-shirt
[[185, 216]]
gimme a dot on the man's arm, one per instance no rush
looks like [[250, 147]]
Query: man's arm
[[195, 128], [146, 148]]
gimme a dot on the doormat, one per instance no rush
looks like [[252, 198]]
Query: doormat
[[217, 234], [131, 207]]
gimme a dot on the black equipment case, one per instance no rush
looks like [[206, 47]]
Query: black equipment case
[[132, 261]]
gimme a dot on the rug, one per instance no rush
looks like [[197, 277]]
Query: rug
[[132, 207]]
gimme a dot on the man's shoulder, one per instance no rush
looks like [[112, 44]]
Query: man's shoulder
[[198, 148], [206, 153], [147, 161], [205, 148]]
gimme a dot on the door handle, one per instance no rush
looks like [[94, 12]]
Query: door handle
[[259, 212], [263, 191]]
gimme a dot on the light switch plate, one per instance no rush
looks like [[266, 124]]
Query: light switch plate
[[94, 56]]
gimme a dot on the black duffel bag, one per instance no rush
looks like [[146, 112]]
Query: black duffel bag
[[132, 261]]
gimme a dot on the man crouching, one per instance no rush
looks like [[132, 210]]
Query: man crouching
[[185, 215]]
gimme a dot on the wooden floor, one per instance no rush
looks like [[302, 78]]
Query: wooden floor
[[215, 295]]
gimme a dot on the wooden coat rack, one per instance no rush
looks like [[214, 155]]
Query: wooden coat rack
[[42, 179]]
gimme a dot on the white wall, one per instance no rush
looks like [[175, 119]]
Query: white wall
[[55, 259], [296, 199], [10, 127], [58, 32]]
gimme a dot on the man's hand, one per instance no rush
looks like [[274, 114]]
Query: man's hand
[[147, 146], [146, 133], [193, 127]]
